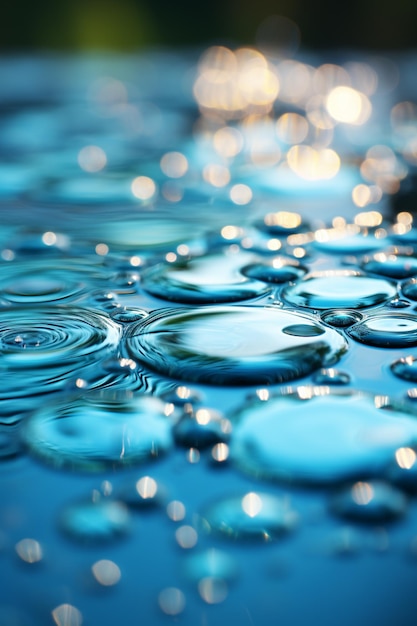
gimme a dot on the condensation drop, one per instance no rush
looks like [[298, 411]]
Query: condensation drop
[[233, 345], [318, 436]]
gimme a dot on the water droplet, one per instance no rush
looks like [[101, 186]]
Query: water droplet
[[402, 470], [386, 330], [335, 289], [371, 502], [341, 319], [409, 289], [232, 345], [95, 521], [255, 516], [126, 316], [344, 241], [98, 430], [397, 303], [391, 265], [331, 376], [275, 271], [144, 493], [213, 278], [405, 368], [45, 347], [318, 436], [282, 223]]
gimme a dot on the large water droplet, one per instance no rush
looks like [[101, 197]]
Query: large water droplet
[[42, 348], [233, 345], [318, 436], [214, 278], [386, 331], [95, 522], [279, 270], [253, 516], [391, 265], [372, 502], [325, 290], [98, 430]]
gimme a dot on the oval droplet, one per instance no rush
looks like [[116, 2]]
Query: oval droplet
[[386, 331]]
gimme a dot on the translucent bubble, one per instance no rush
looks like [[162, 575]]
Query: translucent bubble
[[98, 430], [341, 319], [232, 345], [276, 271], [397, 330], [213, 278], [98, 521], [374, 502], [319, 436], [255, 516], [339, 289]]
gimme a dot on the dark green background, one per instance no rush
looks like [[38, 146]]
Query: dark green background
[[132, 24]]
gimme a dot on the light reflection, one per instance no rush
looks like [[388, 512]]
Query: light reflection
[[348, 105], [220, 452], [106, 572], [186, 537], [252, 504], [171, 601], [312, 164], [92, 159], [228, 142], [67, 615], [213, 590], [176, 510], [216, 175], [143, 187], [292, 128], [405, 457], [29, 550], [362, 493], [174, 164], [241, 194], [147, 487]]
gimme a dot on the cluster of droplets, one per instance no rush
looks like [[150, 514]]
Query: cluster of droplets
[[208, 305]]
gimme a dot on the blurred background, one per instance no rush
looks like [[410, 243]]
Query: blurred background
[[128, 25]]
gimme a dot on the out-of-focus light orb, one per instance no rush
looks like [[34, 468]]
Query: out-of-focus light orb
[[106, 572], [241, 194], [228, 141], [146, 487], [405, 457], [174, 164], [312, 164], [292, 128], [171, 601], [176, 510], [348, 105], [362, 493], [29, 550], [252, 504], [92, 159], [67, 615], [216, 175], [186, 537], [143, 187]]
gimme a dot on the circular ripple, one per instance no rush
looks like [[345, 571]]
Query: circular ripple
[[213, 278], [326, 290], [386, 331], [42, 348], [255, 516], [99, 430], [233, 345], [318, 436]]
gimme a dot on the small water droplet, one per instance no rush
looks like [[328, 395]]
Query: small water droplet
[[341, 319], [255, 516], [331, 376], [369, 502]]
